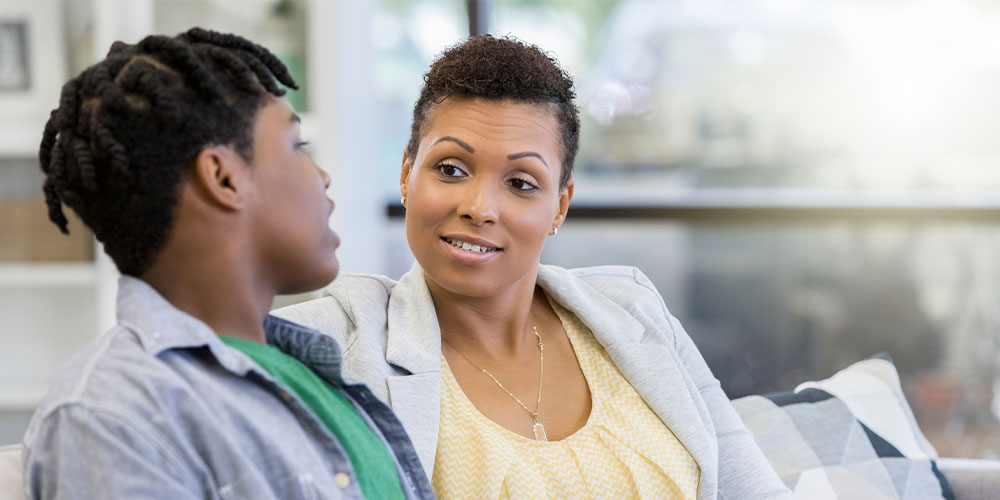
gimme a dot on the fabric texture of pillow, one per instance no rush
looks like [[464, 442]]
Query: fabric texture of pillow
[[851, 436]]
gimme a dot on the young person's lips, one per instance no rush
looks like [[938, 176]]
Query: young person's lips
[[333, 234], [473, 251]]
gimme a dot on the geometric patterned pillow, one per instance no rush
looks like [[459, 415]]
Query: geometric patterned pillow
[[851, 436]]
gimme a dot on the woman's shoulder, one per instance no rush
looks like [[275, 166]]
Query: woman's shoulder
[[365, 287], [627, 287], [624, 283], [350, 301]]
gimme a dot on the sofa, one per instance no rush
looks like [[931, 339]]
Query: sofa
[[849, 437], [970, 479]]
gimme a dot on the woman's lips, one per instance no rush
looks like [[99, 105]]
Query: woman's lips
[[470, 250]]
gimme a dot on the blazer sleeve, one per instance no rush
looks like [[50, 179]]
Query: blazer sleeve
[[744, 472], [326, 315]]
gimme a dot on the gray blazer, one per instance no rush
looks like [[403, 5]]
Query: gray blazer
[[391, 340]]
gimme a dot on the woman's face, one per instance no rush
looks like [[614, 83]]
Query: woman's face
[[483, 194]]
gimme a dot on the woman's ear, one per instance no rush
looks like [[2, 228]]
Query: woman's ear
[[220, 177], [565, 196], [404, 175]]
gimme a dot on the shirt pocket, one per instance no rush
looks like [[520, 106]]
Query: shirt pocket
[[301, 486]]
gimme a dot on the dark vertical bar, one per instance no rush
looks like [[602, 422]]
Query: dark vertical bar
[[479, 16]]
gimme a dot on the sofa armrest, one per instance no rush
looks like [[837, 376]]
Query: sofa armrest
[[972, 479], [11, 485]]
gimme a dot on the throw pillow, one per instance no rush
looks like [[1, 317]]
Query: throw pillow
[[851, 436]]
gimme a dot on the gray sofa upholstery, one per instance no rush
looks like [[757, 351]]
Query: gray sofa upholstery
[[11, 487], [970, 479]]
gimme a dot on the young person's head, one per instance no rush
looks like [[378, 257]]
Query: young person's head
[[195, 120], [487, 173]]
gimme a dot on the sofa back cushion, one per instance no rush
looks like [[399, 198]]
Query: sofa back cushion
[[851, 436], [11, 484]]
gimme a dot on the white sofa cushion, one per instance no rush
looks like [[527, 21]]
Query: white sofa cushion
[[851, 436], [11, 485]]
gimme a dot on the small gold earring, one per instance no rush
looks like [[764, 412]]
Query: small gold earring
[[555, 230], [402, 200]]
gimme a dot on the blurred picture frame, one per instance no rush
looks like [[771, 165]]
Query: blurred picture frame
[[15, 73], [32, 71]]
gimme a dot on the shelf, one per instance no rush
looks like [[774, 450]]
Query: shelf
[[60, 274], [667, 196], [21, 397], [21, 141]]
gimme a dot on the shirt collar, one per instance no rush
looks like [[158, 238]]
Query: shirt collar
[[156, 322], [160, 327]]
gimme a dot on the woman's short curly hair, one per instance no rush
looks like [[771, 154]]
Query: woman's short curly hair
[[501, 69], [118, 147]]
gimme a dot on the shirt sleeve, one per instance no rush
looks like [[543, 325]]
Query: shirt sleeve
[[82, 452], [744, 471]]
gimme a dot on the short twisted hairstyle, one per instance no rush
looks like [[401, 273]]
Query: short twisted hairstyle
[[119, 146], [501, 69]]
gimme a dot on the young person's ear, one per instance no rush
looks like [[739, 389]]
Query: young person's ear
[[219, 174]]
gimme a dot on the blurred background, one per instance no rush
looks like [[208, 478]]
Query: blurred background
[[807, 182]]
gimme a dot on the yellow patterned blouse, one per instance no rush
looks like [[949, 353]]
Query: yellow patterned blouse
[[623, 451]]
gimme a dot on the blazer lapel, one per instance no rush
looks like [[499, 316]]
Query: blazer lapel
[[652, 368], [413, 344], [416, 401]]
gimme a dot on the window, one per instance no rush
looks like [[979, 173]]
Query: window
[[807, 183]]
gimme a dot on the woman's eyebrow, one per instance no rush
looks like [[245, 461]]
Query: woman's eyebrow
[[460, 142], [528, 153]]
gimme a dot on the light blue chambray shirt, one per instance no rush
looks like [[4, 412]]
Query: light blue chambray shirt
[[160, 408]]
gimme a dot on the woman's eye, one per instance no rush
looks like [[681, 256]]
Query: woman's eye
[[301, 145], [450, 170], [522, 185]]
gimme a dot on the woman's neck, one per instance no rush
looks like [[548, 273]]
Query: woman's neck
[[499, 325]]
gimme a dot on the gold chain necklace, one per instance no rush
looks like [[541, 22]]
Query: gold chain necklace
[[536, 427]]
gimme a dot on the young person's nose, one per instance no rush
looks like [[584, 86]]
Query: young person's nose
[[323, 175]]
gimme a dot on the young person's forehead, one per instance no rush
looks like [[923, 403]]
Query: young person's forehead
[[277, 112]]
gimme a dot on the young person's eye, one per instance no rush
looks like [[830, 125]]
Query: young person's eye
[[449, 170], [522, 185], [301, 145]]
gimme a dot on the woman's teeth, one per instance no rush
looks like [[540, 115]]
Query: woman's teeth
[[469, 247]]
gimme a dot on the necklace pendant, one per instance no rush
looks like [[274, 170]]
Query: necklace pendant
[[539, 431]]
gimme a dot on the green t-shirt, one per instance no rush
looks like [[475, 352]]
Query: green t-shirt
[[371, 458]]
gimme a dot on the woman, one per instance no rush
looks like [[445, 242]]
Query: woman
[[516, 379]]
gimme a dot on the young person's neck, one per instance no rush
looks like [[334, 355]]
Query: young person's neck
[[211, 286], [499, 324]]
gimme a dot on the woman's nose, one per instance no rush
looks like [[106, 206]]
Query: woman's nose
[[478, 205]]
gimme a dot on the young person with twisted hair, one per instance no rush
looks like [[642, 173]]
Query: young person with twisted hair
[[182, 156], [516, 379]]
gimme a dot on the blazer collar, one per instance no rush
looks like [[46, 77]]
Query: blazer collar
[[414, 336], [413, 341], [610, 323]]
